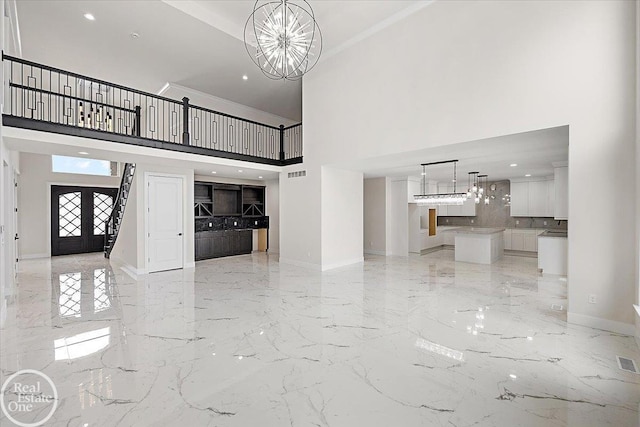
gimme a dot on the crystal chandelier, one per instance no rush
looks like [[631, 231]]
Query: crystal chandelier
[[283, 38], [440, 198]]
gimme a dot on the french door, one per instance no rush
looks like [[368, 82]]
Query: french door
[[78, 218]]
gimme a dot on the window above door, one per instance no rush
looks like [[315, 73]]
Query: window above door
[[84, 166]]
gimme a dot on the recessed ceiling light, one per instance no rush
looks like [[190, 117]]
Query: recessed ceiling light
[[259, 177], [135, 35], [214, 172], [245, 77], [513, 165], [239, 170], [90, 17], [528, 175], [83, 152]]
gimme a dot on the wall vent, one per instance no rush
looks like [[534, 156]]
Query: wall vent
[[627, 364], [297, 174]]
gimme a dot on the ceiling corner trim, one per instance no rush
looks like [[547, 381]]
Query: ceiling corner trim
[[410, 10]]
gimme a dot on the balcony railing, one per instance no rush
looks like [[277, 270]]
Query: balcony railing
[[44, 98]]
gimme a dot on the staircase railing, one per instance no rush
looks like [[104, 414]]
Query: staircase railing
[[112, 225], [45, 98]]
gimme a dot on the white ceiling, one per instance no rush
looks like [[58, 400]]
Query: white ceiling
[[192, 43], [533, 152]]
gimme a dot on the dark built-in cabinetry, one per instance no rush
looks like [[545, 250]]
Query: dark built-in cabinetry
[[214, 199], [226, 215], [215, 244]]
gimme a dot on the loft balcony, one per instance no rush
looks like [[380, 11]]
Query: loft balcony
[[43, 98]]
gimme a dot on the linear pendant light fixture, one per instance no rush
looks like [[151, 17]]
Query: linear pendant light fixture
[[439, 198], [283, 38]]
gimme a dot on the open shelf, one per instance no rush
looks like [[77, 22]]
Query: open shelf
[[213, 199]]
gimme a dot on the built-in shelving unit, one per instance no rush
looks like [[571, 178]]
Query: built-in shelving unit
[[215, 199], [252, 201], [227, 215]]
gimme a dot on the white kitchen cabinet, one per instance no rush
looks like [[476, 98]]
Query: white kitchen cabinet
[[551, 198], [466, 209], [443, 210], [522, 239], [517, 241], [531, 242], [507, 239], [538, 198], [413, 188], [561, 202], [552, 255], [531, 198], [519, 199]]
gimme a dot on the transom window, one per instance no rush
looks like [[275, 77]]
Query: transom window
[[81, 165]]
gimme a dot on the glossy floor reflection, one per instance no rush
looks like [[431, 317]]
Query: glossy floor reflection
[[244, 341]]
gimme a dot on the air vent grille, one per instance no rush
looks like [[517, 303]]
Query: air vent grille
[[297, 174], [627, 364]]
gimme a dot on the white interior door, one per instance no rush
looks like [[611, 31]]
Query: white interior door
[[165, 240]]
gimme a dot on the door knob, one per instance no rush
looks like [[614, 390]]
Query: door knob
[[179, 234]]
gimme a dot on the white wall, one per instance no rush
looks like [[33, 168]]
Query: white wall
[[398, 242], [375, 216], [462, 71], [34, 201], [637, 176], [341, 217], [125, 249], [300, 217], [211, 102], [273, 212]]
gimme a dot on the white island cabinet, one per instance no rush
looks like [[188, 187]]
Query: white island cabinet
[[479, 245], [552, 252]]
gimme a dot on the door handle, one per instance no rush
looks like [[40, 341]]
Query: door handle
[[179, 234], [16, 238]]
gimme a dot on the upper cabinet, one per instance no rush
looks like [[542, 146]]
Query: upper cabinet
[[216, 199], [519, 198], [533, 198], [561, 202], [468, 208], [253, 201]]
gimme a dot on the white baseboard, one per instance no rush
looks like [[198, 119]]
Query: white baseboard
[[323, 267], [600, 323], [191, 264], [297, 263], [34, 256], [128, 268], [358, 260], [372, 252]]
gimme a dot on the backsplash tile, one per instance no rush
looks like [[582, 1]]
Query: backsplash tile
[[497, 214]]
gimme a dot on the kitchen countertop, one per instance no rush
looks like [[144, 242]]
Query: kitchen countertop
[[473, 230], [554, 234]]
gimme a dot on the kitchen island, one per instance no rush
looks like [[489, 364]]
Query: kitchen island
[[479, 245], [553, 252]]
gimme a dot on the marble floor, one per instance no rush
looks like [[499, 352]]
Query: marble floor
[[244, 341]]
